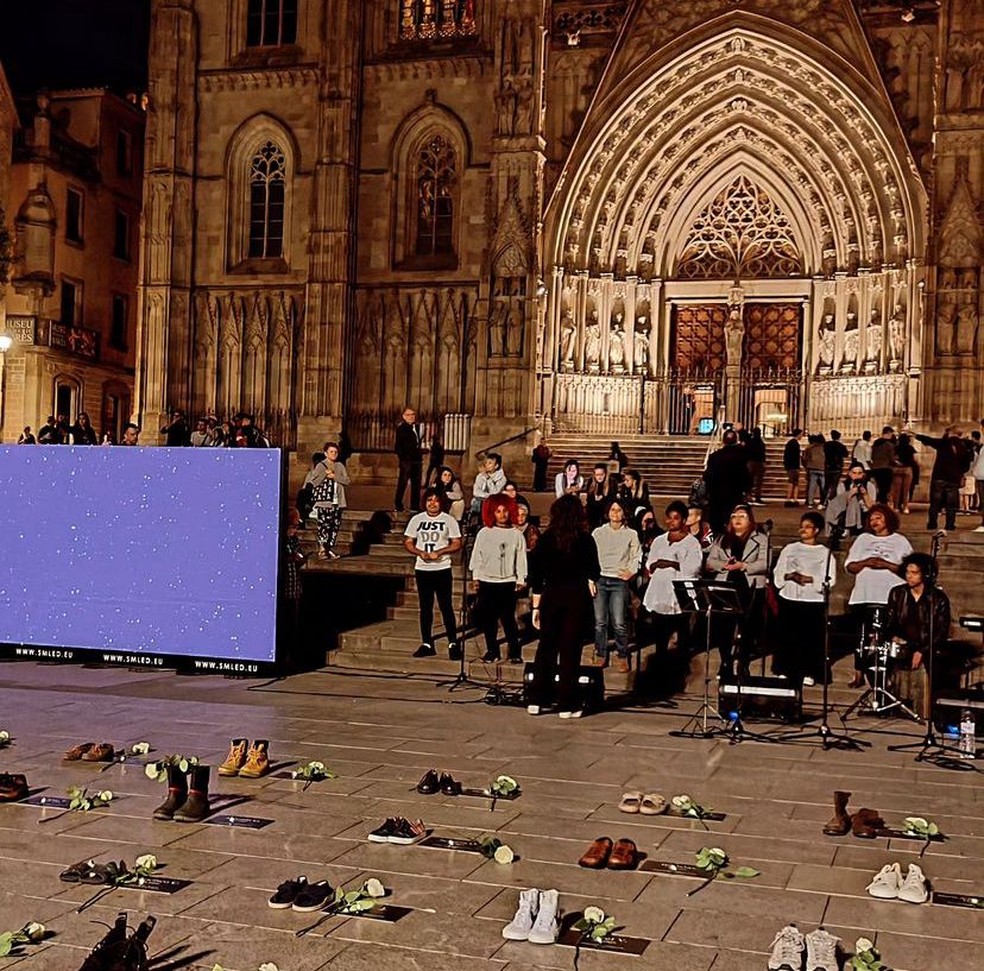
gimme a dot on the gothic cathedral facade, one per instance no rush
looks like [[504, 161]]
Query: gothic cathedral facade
[[584, 215]]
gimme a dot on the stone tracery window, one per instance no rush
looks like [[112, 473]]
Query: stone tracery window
[[741, 234], [271, 23], [426, 19], [435, 183], [267, 198]]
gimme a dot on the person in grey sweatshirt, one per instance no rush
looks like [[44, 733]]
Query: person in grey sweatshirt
[[619, 555], [329, 479], [498, 569]]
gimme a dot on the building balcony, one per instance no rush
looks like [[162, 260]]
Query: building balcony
[[26, 329]]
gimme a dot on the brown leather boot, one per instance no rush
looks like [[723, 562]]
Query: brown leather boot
[[196, 806], [177, 793], [840, 822], [866, 823]]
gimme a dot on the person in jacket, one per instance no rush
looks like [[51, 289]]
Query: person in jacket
[[82, 431], [176, 432], [633, 493], [834, 456], [540, 459], [529, 529], [800, 573], [490, 481], [883, 461], [564, 572], [448, 485], [619, 555], [498, 567], [855, 495], [727, 481], [328, 481], [740, 556], [918, 618], [814, 461], [598, 495], [407, 448], [952, 461]]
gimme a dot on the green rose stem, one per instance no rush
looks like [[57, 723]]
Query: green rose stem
[[330, 911], [98, 895]]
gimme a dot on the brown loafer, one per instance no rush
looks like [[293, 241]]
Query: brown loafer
[[77, 751], [103, 752], [596, 855], [866, 823], [623, 856]]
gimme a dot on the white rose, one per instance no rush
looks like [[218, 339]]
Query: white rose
[[34, 931], [862, 944], [151, 770], [269, 966], [140, 748], [503, 854], [146, 862], [374, 888], [594, 915], [106, 795]]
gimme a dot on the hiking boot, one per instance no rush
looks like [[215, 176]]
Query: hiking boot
[[840, 822], [518, 929], [821, 951], [787, 950], [196, 806], [236, 758], [177, 793], [546, 927], [914, 889], [887, 882], [258, 761]]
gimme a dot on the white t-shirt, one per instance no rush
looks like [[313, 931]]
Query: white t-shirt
[[432, 534], [659, 596], [873, 586], [809, 560]]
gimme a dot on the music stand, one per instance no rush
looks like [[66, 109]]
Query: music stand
[[707, 597]]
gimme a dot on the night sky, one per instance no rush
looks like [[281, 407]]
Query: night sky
[[75, 43]]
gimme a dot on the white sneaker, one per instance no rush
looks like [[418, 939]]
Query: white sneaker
[[571, 714], [787, 950], [887, 882], [914, 888], [980, 529], [546, 927], [532, 709], [821, 951], [518, 929], [808, 682]]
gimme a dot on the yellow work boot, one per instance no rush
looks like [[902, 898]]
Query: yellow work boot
[[236, 758], [258, 760]]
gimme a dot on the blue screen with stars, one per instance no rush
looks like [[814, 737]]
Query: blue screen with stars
[[157, 551]]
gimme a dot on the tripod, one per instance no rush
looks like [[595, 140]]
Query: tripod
[[828, 737]]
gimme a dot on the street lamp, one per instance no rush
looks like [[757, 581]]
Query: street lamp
[[6, 342]]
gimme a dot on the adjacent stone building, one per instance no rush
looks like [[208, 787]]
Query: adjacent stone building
[[73, 203], [599, 216]]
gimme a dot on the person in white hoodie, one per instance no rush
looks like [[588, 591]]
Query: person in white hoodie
[[498, 569], [489, 482]]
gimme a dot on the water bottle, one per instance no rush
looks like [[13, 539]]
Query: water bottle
[[968, 741]]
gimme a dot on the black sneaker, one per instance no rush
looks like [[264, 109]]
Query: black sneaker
[[429, 783], [454, 652], [287, 893], [490, 657], [313, 897], [405, 832], [382, 834], [425, 650]]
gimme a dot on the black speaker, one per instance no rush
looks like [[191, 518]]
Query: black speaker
[[775, 698], [590, 684]]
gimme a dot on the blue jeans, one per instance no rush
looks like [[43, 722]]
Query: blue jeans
[[609, 604], [816, 481]]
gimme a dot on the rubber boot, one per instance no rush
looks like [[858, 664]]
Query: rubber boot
[[100, 957], [840, 822], [196, 807], [177, 793]]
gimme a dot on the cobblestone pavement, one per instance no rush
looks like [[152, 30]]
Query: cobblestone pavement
[[380, 734]]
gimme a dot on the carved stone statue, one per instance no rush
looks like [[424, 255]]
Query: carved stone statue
[[640, 347], [734, 336], [616, 345], [497, 328], [873, 340], [967, 328], [826, 336], [506, 102], [946, 328], [896, 335], [852, 340], [568, 339], [515, 331], [592, 343]]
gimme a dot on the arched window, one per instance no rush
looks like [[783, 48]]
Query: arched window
[[267, 196], [271, 23], [435, 186]]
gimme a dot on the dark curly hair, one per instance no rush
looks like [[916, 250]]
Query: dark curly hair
[[567, 521]]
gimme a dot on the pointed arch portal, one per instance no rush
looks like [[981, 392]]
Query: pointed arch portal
[[739, 213]]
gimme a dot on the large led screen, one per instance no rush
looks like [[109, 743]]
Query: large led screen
[[153, 556]]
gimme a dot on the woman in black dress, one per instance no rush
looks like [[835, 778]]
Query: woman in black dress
[[563, 572]]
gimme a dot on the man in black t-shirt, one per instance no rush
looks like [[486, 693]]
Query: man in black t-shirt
[[791, 462]]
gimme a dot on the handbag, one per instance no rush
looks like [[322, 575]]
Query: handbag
[[324, 492]]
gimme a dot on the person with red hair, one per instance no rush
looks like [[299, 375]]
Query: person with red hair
[[498, 569]]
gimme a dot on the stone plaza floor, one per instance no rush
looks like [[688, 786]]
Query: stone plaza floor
[[379, 734]]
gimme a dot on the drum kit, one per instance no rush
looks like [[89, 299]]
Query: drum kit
[[880, 659]]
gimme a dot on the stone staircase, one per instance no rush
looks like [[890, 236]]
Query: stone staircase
[[669, 463]]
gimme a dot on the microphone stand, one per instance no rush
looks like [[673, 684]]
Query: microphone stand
[[828, 737], [930, 749], [461, 679]]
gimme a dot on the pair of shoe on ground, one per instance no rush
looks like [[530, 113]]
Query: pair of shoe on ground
[[399, 830], [792, 951], [537, 709], [428, 650], [646, 803], [13, 787], [604, 853], [302, 896], [432, 783], [245, 760], [889, 884], [91, 752], [865, 823], [537, 918]]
